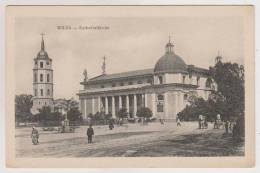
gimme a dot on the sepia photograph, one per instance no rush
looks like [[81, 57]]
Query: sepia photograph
[[105, 83]]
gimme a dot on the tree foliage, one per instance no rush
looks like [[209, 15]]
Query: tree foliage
[[23, 105], [46, 117], [229, 98], [144, 112], [74, 114], [230, 81]]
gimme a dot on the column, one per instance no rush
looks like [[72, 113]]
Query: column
[[85, 109], [135, 105], [166, 104], [120, 102], [127, 103], [153, 104], [145, 100], [93, 105], [113, 107], [106, 105], [175, 104], [99, 103]]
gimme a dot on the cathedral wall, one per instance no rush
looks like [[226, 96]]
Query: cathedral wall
[[89, 106], [172, 78]]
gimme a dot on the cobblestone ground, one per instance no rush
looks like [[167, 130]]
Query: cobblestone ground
[[130, 140]]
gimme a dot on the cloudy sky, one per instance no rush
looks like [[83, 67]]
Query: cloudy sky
[[128, 44]]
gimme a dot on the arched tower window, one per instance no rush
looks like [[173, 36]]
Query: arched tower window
[[41, 77], [48, 92], [41, 64], [48, 77], [35, 92], [41, 92]]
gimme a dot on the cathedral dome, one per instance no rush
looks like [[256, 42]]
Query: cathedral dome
[[170, 62]]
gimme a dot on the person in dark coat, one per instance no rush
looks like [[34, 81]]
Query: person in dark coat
[[90, 133]]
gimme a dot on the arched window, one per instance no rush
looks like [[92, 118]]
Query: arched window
[[185, 97], [41, 77], [160, 97], [183, 79], [35, 92], [160, 80], [48, 77], [208, 83]]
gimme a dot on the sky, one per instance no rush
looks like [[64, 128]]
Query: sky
[[129, 44]]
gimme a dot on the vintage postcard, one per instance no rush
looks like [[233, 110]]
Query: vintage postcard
[[130, 86]]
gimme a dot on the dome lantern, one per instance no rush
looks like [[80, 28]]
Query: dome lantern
[[169, 46]]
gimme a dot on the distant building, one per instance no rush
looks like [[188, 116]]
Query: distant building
[[42, 80], [164, 89]]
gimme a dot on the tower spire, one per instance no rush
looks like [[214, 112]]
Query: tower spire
[[42, 44], [104, 66]]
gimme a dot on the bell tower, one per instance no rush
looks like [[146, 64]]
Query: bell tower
[[42, 80]]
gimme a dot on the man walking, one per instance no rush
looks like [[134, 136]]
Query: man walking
[[90, 133]]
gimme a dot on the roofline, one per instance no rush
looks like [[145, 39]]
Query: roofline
[[144, 87]]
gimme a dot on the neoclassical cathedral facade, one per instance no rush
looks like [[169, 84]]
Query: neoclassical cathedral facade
[[164, 89], [42, 81]]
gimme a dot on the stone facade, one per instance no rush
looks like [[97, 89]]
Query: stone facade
[[164, 89]]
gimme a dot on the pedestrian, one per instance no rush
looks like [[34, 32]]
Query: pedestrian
[[178, 122], [90, 133], [226, 126], [35, 136], [111, 125], [200, 121]]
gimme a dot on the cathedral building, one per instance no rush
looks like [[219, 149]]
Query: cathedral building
[[164, 89], [42, 80]]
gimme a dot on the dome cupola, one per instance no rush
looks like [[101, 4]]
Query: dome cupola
[[170, 62]]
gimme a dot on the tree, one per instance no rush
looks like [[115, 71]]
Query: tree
[[74, 114], [144, 112], [69, 104], [46, 117], [23, 105], [230, 81]]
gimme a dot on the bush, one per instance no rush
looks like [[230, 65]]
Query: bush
[[144, 112]]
